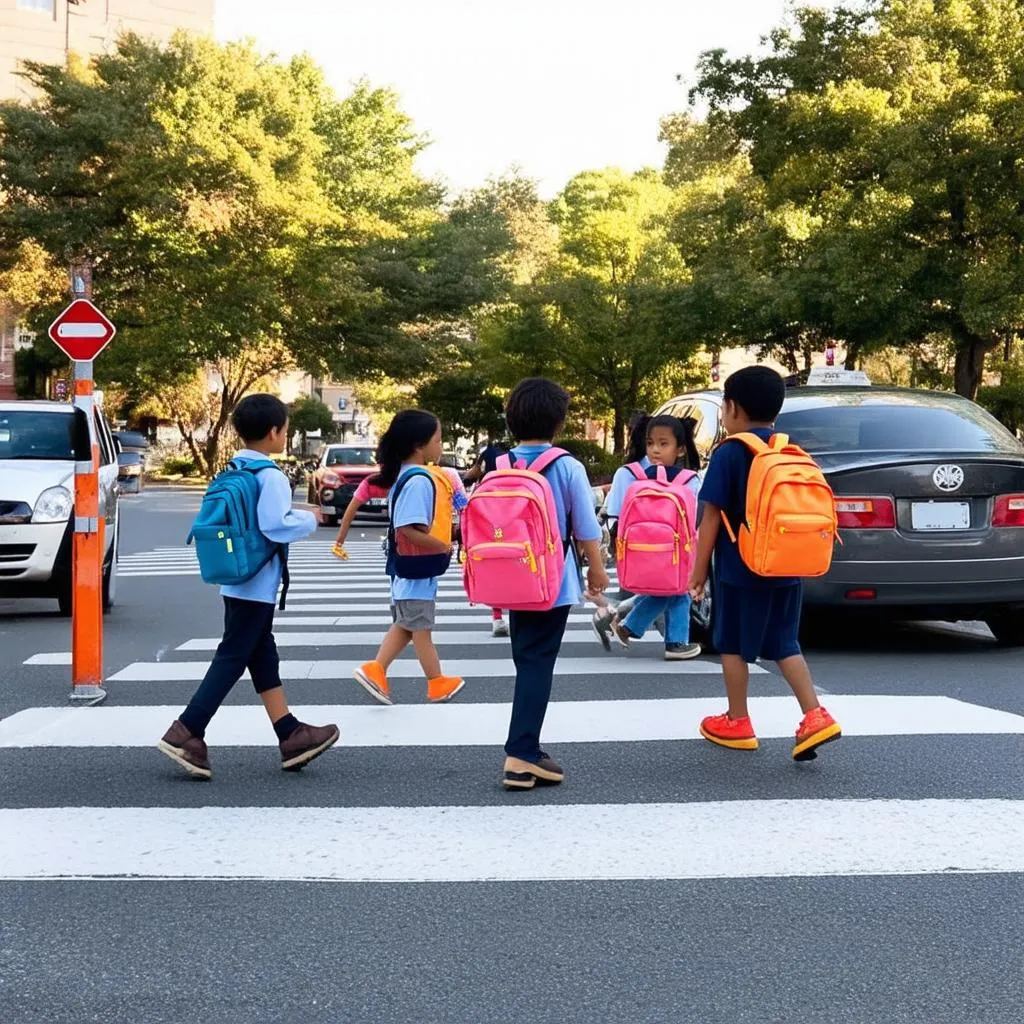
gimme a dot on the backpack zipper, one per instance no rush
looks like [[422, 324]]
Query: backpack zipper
[[529, 497]]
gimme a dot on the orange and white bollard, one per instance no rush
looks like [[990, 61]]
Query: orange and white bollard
[[87, 557]]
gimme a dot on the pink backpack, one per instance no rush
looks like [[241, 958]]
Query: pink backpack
[[656, 543], [514, 549]]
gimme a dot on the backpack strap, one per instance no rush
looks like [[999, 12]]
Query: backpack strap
[[637, 470], [754, 443], [547, 458], [257, 466], [503, 461], [396, 490]]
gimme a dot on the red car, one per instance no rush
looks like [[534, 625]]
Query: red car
[[342, 468]]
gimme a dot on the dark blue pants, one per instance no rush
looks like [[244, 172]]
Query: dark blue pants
[[248, 643], [536, 639]]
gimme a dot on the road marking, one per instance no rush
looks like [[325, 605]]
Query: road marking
[[452, 638], [591, 842], [54, 658], [480, 617], [482, 724], [408, 668]]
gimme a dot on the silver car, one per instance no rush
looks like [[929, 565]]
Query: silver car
[[39, 442], [930, 497]]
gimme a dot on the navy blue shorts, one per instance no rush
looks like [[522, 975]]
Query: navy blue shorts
[[757, 622]]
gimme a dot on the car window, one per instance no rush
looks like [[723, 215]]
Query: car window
[[351, 457], [708, 428], [107, 451], [130, 459], [895, 424], [35, 434]]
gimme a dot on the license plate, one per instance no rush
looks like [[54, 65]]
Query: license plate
[[940, 515], [378, 502]]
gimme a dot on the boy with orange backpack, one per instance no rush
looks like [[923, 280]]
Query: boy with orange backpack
[[769, 518], [517, 533]]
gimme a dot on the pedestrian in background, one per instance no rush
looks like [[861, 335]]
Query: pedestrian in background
[[755, 616], [411, 442], [261, 421]]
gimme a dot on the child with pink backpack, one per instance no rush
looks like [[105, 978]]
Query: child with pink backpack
[[656, 540], [519, 535]]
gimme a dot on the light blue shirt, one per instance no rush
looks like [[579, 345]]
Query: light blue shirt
[[574, 501], [278, 522], [415, 507]]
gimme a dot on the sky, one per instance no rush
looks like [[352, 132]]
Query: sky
[[550, 87]]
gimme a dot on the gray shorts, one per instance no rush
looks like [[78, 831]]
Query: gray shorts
[[414, 616]]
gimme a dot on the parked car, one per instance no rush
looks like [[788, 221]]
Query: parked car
[[341, 469], [130, 470], [930, 497], [131, 440], [39, 445]]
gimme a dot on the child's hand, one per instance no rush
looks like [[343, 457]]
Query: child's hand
[[697, 585], [597, 579], [339, 551]]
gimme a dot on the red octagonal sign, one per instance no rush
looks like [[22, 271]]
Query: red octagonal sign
[[81, 332]]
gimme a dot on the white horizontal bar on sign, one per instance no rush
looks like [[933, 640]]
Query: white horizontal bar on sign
[[588, 842], [469, 725], [73, 330], [452, 638], [475, 668]]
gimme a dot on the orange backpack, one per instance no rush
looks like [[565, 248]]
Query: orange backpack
[[790, 524]]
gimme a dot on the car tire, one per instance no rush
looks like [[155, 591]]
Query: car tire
[[1007, 628], [328, 518], [110, 577], [310, 495], [65, 597], [702, 619]]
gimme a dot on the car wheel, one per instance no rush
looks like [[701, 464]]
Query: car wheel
[[328, 518], [310, 495], [1007, 628], [110, 579]]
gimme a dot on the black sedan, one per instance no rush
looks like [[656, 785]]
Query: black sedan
[[930, 498]]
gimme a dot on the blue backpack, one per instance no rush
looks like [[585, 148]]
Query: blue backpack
[[229, 544]]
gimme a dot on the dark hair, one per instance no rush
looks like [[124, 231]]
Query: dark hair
[[409, 430], [256, 415], [634, 418], [683, 431], [637, 447], [536, 409], [758, 390]]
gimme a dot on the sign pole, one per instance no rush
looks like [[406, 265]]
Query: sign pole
[[87, 557]]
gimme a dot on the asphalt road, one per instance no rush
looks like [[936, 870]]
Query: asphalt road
[[394, 881]]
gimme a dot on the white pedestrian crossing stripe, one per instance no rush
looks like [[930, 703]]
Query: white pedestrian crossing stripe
[[337, 614]]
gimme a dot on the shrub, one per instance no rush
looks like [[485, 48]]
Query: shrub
[[599, 464], [175, 465]]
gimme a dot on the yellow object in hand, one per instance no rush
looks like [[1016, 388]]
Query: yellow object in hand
[[339, 552]]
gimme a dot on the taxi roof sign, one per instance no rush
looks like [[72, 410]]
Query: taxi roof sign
[[822, 376]]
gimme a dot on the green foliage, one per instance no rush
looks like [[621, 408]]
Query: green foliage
[[1005, 400], [464, 405], [179, 465], [308, 415], [599, 464]]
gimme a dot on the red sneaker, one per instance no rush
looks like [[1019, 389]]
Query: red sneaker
[[817, 727], [734, 733]]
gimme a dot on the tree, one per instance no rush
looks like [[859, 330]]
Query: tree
[[465, 405], [885, 139], [601, 316], [308, 415]]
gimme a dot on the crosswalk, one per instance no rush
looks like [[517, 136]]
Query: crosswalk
[[417, 777]]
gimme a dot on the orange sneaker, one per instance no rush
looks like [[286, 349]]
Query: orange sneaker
[[734, 733], [817, 727], [372, 678], [443, 688]]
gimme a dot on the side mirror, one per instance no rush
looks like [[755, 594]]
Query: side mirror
[[118, 447]]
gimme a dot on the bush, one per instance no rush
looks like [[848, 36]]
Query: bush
[[599, 464], [179, 465]]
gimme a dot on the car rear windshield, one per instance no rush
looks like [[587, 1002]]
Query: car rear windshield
[[130, 458], [35, 434], [351, 457], [894, 423]]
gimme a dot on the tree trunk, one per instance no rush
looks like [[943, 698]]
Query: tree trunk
[[970, 363], [852, 355], [619, 429]]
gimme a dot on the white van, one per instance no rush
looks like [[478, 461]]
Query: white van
[[39, 442]]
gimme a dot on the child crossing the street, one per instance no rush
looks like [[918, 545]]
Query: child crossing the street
[[760, 553], [242, 535], [419, 550], [520, 524], [655, 539]]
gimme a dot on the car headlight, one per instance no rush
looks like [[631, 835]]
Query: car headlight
[[331, 479], [53, 506]]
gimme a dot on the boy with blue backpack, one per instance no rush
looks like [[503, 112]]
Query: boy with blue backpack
[[242, 534]]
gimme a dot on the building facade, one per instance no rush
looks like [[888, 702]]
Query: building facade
[[47, 30]]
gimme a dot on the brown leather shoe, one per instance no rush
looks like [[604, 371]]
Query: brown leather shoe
[[520, 774], [306, 743], [186, 750]]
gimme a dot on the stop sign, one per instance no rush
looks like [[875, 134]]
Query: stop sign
[[81, 332]]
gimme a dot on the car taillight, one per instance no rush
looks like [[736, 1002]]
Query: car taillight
[[1008, 510], [865, 513]]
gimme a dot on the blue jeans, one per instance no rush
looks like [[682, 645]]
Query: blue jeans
[[677, 617]]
